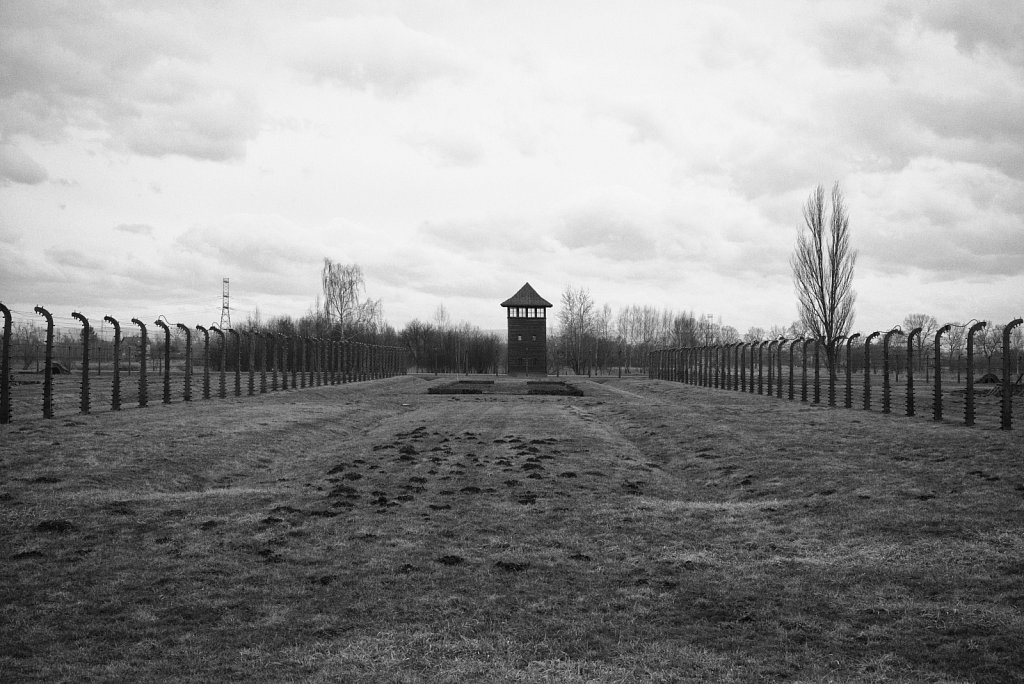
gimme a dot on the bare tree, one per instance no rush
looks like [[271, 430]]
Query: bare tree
[[823, 269], [344, 304], [576, 320], [754, 334], [928, 326]]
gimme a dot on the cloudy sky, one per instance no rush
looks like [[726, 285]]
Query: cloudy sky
[[654, 152]]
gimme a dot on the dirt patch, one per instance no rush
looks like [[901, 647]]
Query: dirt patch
[[509, 387]]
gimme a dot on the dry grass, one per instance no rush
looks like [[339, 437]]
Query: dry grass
[[645, 532]]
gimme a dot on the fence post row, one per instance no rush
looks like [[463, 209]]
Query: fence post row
[[325, 361], [5, 368], [84, 404]]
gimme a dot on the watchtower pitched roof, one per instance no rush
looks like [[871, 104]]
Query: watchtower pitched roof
[[526, 296]]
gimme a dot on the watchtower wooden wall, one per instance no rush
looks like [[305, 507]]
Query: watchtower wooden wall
[[527, 343], [527, 332]]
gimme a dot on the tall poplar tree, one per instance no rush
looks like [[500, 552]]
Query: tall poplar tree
[[823, 270]]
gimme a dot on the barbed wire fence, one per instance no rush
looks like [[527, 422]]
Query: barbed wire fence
[[751, 366], [68, 364]]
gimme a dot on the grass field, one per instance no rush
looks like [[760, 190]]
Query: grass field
[[647, 531]]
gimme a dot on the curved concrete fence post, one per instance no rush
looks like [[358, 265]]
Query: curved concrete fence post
[[792, 368], [817, 370], [937, 396], [318, 345], [969, 394], [760, 366], [223, 390], [849, 369], [803, 368], [259, 339], [867, 368], [731, 362], [886, 385], [734, 371], [285, 351], [837, 344], [84, 399], [206, 361], [238, 360], [5, 368], [270, 357], [115, 390], [314, 361], [332, 366], [167, 359], [1006, 405], [709, 380], [5, 414], [915, 333], [187, 395], [719, 368], [250, 361], [751, 385], [723, 355], [778, 368], [143, 382], [47, 364], [743, 367], [345, 362], [771, 367]]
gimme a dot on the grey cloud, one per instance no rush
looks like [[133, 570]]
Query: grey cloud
[[18, 167], [486, 235], [267, 251], [373, 53], [998, 24], [134, 75], [607, 234], [214, 125], [73, 258], [449, 150], [134, 228]]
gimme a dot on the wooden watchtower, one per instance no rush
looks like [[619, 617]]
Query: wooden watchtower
[[527, 332]]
